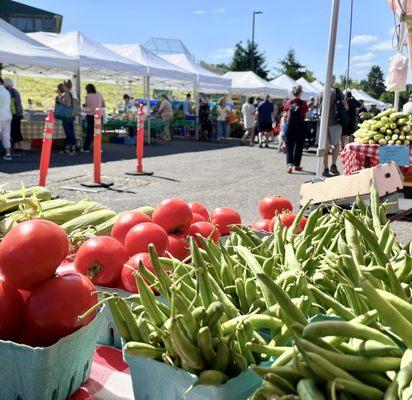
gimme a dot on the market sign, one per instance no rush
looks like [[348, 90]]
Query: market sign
[[397, 153]]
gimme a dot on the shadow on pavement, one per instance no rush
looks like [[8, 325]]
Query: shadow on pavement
[[111, 152]]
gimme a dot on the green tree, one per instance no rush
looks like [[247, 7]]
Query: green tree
[[341, 83], [291, 67], [389, 97], [242, 56], [374, 83]]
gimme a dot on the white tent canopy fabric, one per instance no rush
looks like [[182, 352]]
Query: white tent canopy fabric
[[94, 60], [247, 83], [284, 82], [368, 100], [207, 80], [318, 86], [19, 52], [155, 66], [308, 90]]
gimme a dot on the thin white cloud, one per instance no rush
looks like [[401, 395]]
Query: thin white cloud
[[382, 46], [199, 12], [340, 46], [365, 64], [361, 73], [364, 39], [221, 54], [361, 58], [219, 10]]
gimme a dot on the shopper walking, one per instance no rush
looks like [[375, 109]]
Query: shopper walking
[[295, 111], [337, 119], [5, 120], [166, 113], [93, 100], [204, 119], [17, 113], [350, 128], [249, 120], [265, 118], [223, 112]]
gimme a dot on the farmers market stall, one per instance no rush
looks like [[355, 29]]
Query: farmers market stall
[[34, 130]]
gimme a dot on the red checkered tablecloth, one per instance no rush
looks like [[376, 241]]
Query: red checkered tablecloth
[[354, 156], [34, 130], [109, 378]]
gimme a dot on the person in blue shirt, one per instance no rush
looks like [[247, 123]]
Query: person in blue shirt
[[265, 117], [187, 105]]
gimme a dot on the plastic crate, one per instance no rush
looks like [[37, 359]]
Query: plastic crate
[[155, 380], [48, 373], [129, 140]]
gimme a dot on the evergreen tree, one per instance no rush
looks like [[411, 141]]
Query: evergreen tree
[[291, 67], [374, 83], [242, 59]]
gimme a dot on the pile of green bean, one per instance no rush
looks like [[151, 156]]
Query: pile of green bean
[[231, 306]]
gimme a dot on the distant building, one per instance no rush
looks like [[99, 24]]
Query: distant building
[[28, 18]]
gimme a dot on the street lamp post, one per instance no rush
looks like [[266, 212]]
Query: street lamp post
[[252, 57]]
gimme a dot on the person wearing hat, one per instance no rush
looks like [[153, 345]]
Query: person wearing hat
[[407, 108], [17, 112], [5, 120], [295, 112]]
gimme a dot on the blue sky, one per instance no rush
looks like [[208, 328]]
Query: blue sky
[[210, 29]]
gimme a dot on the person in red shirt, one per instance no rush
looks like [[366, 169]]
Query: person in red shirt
[[295, 111]]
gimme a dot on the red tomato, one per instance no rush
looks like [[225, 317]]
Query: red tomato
[[287, 219], [178, 247], [128, 280], [199, 208], [11, 306], [173, 215], [53, 308], [141, 235], [127, 221], [31, 252], [224, 218], [262, 225], [269, 206], [206, 230], [101, 259], [197, 218]]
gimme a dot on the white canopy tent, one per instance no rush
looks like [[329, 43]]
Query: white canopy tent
[[368, 100], [308, 90], [207, 81], [20, 53], [247, 83], [284, 82], [94, 60], [318, 86]]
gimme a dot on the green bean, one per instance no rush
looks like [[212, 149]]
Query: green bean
[[222, 356], [359, 389], [129, 319], [404, 378], [349, 362], [164, 280], [374, 198], [307, 390], [213, 315], [346, 329], [211, 378], [326, 237], [119, 320], [279, 382], [230, 310], [372, 348], [144, 350], [391, 392], [354, 244], [268, 350], [376, 380], [240, 291], [204, 341], [291, 261], [394, 284], [311, 223], [389, 314]]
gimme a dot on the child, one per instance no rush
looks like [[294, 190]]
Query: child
[[282, 145]]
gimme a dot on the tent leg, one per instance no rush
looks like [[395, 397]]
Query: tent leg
[[323, 131], [196, 96], [147, 93], [396, 102]]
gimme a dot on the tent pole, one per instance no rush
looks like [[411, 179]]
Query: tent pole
[[323, 131], [147, 92], [396, 102], [196, 96]]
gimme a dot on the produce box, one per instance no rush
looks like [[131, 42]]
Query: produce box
[[344, 189], [154, 380], [49, 373], [108, 334]]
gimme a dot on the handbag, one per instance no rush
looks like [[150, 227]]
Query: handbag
[[62, 112]]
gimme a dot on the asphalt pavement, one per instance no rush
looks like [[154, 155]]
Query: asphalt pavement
[[218, 175]]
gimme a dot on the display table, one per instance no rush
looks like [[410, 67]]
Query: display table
[[113, 124], [34, 130], [109, 378], [356, 156]]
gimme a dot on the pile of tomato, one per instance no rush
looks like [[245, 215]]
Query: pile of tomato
[[42, 294]]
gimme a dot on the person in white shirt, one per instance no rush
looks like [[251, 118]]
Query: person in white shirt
[[223, 112], [407, 108], [249, 119], [5, 120], [166, 113]]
